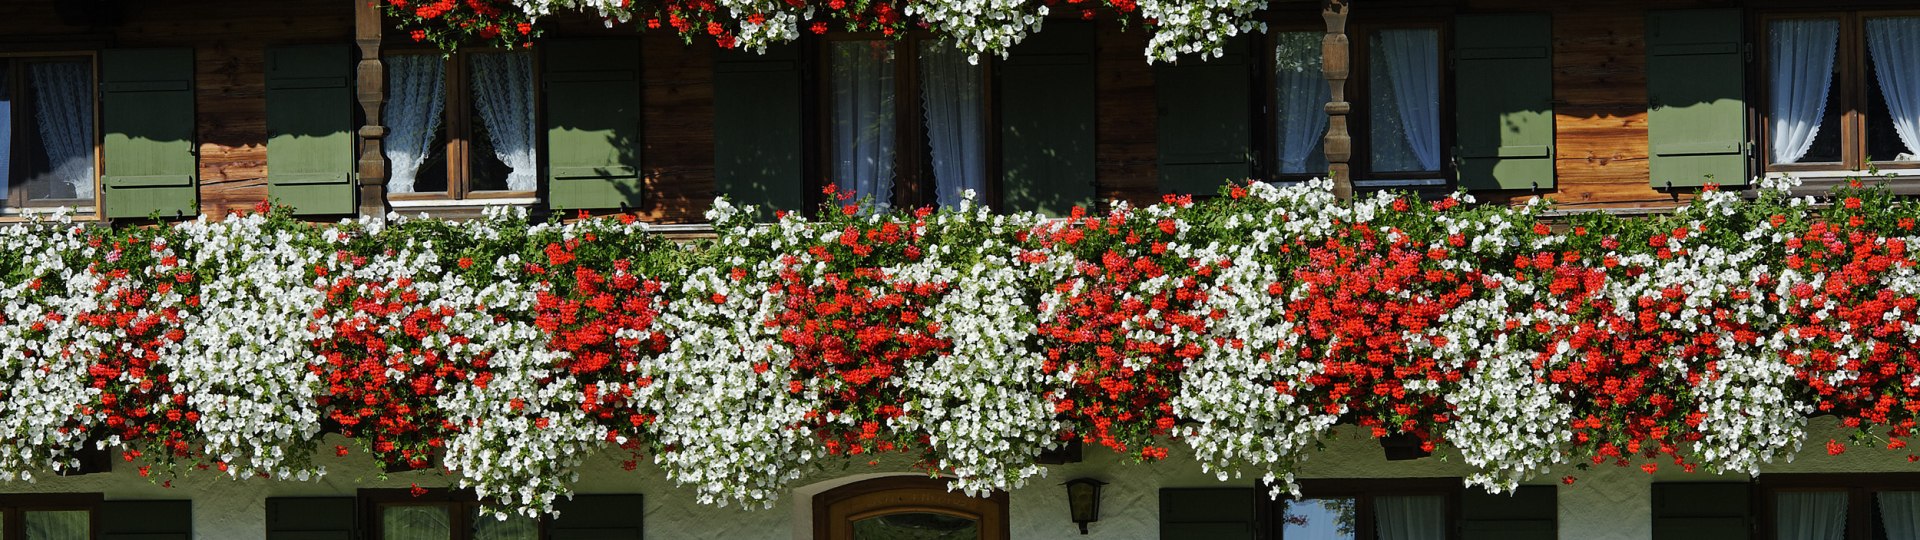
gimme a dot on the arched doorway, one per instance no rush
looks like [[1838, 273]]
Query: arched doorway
[[907, 508]]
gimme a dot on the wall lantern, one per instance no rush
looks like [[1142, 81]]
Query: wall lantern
[[1083, 498]]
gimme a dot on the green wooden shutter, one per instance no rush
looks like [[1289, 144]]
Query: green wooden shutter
[[311, 518], [149, 148], [1696, 112], [599, 517], [1503, 113], [1207, 513], [1206, 107], [1047, 120], [757, 146], [145, 520], [310, 158], [1701, 511], [1528, 513], [593, 124]]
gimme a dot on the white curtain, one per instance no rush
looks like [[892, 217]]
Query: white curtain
[[1302, 95], [1409, 61], [951, 93], [1801, 55], [416, 97], [59, 525], [1411, 517], [512, 528], [1900, 513], [415, 523], [63, 107], [1811, 515], [863, 122], [503, 91], [1894, 43]]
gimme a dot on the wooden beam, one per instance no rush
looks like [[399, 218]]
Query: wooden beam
[[368, 27], [1335, 61]]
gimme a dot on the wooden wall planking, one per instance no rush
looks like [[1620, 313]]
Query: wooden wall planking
[[1126, 130]]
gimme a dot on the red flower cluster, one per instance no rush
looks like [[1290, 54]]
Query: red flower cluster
[[1857, 351], [601, 311], [138, 399], [1122, 384]]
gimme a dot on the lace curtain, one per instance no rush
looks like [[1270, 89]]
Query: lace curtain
[[1811, 515], [503, 91], [63, 108], [862, 118], [951, 93], [58, 525], [512, 528], [1411, 517], [416, 98], [6, 130], [1900, 513], [1894, 43], [1406, 93], [1800, 56], [415, 523], [1302, 95]]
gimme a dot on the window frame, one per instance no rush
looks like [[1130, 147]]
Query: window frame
[[460, 505], [913, 178], [1859, 488], [1359, 98], [457, 119], [17, 198], [906, 494], [1271, 512], [13, 508], [1855, 90]]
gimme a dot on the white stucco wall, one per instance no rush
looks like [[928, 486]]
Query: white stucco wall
[[1605, 503]]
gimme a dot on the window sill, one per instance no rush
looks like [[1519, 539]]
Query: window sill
[[1897, 181], [1422, 182], [77, 213], [457, 203]]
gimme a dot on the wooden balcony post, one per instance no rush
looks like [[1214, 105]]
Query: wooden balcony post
[[372, 93], [1335, 59]]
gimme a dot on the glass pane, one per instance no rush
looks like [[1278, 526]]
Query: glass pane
[[1300, 97], [1893, 89], [1803, 104], [59, 132], [512, 528], [1410, 517], [1811, 515], [415, 523], [58, 525], [1899, 514], [501, 150], [916, 526], [1319, 519], [862, 118], [415, 113], [1404, 96], [952, 97]]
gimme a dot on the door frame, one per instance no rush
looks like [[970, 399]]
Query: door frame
[[835, 510]]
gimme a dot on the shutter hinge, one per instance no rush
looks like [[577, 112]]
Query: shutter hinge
[[1747, 50]]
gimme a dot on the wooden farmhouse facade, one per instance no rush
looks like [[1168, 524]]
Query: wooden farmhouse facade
[[132, 111]]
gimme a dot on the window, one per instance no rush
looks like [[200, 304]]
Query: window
[[905, 121], [1300, 96], [1868, 506], [1355, 509], [47, 137], [1396, 90], [461, 127], [439, 515], [907, 507], [1842, 91], [56, 516]]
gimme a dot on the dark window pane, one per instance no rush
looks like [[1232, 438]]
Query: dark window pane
[[415, 523], [916, 526], [433, 173]]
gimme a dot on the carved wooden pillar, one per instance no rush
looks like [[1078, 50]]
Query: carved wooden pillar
[[1336, 60], [372, 93]]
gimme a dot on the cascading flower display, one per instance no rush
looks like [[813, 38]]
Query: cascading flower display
[[503, 354]]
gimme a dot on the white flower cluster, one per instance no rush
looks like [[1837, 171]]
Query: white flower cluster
[[1199, 27], [978, 27]]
